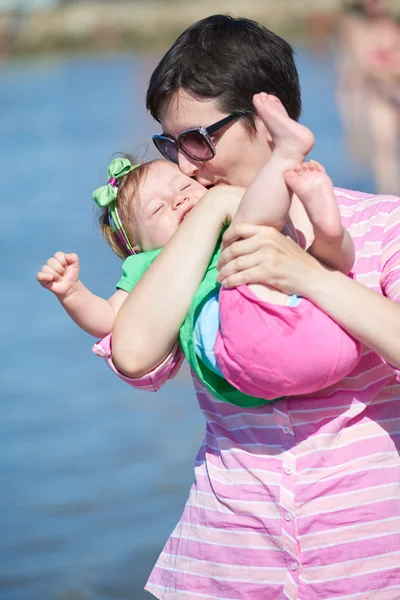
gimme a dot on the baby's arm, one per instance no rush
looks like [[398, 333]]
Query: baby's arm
[[93, 314]]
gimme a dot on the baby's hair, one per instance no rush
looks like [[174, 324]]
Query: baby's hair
[[124, 207]]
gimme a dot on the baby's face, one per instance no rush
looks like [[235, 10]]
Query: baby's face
[[164, 198]]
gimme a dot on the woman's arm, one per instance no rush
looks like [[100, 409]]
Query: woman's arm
[[256, 254], [371, 318], [93, 314], [147, 326], [151, 381]]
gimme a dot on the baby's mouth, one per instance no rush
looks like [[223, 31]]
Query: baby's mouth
[[185, 213]]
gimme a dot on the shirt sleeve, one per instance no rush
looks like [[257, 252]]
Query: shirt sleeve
[[152, 381], [390, 258]]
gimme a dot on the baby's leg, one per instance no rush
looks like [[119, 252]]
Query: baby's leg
[[332, 243], [267, 199]]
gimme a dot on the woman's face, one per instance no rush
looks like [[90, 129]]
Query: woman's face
[[375, 8], [239, 155]]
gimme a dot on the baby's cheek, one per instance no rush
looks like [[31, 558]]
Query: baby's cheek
[[163, 232]]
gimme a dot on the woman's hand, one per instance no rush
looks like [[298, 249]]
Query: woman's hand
[[256, 254]]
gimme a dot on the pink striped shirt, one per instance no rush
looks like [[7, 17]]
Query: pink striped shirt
[[299, 499]]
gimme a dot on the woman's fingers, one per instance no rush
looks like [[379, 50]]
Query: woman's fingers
[[239, 248], [260, 254], [239, 231], [238, 264], [247, 276]]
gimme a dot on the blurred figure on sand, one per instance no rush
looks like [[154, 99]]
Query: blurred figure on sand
[[369, 88]]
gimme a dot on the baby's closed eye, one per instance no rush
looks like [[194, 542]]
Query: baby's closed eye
[[156, 210]]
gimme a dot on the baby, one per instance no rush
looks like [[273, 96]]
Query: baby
[[250, 345]]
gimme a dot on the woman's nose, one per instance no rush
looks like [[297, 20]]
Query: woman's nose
[[187, 165]]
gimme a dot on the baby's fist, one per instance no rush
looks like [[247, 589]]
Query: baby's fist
[[60, 274]]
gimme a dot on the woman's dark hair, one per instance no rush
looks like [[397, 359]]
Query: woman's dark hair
[[228, 60]]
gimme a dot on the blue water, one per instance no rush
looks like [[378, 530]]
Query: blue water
[[94, 475]]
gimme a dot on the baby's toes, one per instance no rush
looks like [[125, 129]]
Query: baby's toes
[[317, 166], [291, 176], [259, 100]]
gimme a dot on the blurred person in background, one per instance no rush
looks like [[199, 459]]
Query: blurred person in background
[[369, 88], [298, 499]]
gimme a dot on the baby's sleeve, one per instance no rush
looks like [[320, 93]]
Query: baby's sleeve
[[133, 269], [152, 381]]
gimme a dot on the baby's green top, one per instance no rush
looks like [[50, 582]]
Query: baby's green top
[[134, 268]]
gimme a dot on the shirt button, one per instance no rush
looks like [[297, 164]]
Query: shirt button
[[288, 471], [286, 430], [288, 517], [293, 566]]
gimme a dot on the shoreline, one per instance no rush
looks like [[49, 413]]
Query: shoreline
[[144, 25], [90, 27]]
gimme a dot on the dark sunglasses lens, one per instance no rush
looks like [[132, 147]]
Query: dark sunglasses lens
[[167, 148], [194, 144]]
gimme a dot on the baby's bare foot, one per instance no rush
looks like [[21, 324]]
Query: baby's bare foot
[[312, 185], [289, 137]]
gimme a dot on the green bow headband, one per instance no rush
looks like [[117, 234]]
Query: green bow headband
[[107, 195]]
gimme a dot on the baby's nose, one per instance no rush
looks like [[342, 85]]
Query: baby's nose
[[178, 200]]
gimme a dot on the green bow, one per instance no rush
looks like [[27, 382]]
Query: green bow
[[119, 167]]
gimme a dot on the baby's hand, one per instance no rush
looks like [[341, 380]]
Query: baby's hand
[[61, 274]]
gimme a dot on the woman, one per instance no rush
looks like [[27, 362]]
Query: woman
[[298, 499]]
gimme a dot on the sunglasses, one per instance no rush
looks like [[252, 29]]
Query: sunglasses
[[195, 143]]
